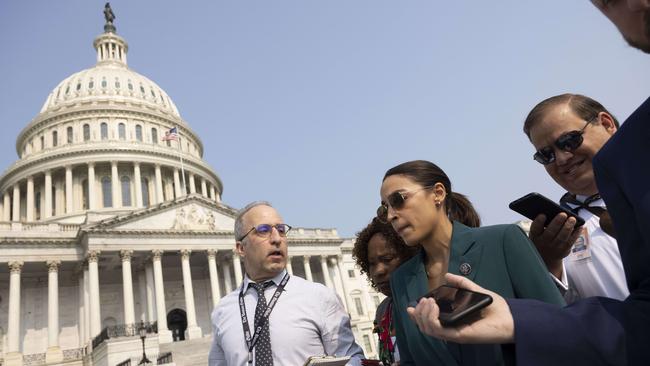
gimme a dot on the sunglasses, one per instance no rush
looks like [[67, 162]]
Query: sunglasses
[[264, 230], [395, 200], [568, 142]]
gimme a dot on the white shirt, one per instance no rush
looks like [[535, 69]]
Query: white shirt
[[308, 320], [602, 273]]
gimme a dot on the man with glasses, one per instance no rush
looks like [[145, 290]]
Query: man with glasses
[[567, 131], [596, 330], [273, 318]]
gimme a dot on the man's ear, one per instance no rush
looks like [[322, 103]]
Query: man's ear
[[239, 249], [607, 121]]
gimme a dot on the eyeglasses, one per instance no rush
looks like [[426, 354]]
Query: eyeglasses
[[395, 200], [264, 230], [568, 142]]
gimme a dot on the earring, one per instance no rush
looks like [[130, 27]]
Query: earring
[[437, 203]]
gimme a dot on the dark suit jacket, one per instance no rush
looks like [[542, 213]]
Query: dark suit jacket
[[501, 258], [600, 331]]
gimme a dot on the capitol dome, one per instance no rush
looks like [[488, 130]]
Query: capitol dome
[[99, 144]]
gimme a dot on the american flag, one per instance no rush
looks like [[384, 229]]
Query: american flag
[[171, 135]]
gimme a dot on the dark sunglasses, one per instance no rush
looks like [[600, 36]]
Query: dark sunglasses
[[568, 142], [395, 200], [264, 230]]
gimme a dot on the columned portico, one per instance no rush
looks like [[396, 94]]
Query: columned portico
[[14, 357], [326, 272], [307, 266], [164, 335], [54, 353], [214, 276], [93, 281], [193, 331], [151, 292], [127, 287]]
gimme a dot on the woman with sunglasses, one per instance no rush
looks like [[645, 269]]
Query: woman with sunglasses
[[378, 251], [417, 200]]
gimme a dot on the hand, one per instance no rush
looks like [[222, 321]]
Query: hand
[[495, 324], [555, 241]]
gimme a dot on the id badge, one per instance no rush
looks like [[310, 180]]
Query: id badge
[[582, 247]]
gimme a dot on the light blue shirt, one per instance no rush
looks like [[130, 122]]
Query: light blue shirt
[[308, 320]]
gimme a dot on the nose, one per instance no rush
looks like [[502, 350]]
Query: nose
[[275, 237], [562, 157], [391, 214]]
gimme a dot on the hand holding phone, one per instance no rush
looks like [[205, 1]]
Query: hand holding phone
[[456, 304], [534, 204]]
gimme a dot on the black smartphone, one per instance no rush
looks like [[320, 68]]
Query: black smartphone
[[534, 204], [456, 303]]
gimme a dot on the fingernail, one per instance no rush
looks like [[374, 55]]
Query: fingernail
[[413, 304]]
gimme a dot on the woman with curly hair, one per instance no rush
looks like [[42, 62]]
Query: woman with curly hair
[[378, 250]]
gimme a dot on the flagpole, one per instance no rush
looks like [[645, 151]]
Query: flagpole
[[181, 159]]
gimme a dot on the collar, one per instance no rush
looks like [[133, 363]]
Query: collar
[[276, 280], [582, 198]]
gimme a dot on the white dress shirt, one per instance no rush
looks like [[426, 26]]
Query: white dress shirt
[[308, 320], [602, 273]]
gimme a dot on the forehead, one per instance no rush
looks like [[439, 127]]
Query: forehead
[[397, 182], [378, 245], [262, 215], [554, 121]]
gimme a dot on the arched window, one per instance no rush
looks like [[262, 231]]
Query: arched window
[[104, 130], [154, 136], [84, 194], [145, 191], [126, 191], [70, 134], [107, 192], [121, 130], [138, 132], [86, 132], [55, 138]]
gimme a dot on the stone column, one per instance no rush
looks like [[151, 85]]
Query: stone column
[[192, 184], [48, 194], [13, 355], [214, 276], [87, 302], [326, 272], [138, 184], [68, 190], [305, 263], [204, 188], [30, 199], [93, 281], [177, 184], [236, 263], [159, 185], [54, 353], [164, 335], [127, 287], [82, 305], [289, 265], [193, 331], [92, 199], [15, 214], [6, 208], [142, 290], [227, 279], [151, 293], [115, 186], [212, 195], [336, 263]]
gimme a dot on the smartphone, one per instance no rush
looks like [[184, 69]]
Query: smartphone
[[534, 204], [456, 303]]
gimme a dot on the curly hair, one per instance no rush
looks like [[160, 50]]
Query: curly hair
[[360, 250]]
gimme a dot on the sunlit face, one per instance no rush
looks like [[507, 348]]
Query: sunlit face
[[418, 217], [631, 17], [572, 170], [264, 256], [382, 261]]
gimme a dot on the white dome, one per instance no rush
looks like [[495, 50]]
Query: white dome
[[110, 79]]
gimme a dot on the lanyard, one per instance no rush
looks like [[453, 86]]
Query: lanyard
[[250, 341]]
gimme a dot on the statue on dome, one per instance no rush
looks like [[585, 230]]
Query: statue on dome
[[109, 16]]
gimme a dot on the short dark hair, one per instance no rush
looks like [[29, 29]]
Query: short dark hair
[[583, 106], [360, 249], [427, 174]]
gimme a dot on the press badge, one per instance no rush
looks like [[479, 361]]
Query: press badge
[[582, 247]]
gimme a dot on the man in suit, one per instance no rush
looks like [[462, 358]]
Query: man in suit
[[593, 331]]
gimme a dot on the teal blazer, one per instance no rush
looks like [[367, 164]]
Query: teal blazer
[[499, 258]]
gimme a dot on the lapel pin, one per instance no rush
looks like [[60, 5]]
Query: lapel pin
[[465, 269]]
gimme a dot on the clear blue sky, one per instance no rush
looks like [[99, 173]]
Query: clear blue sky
[[307, 103]]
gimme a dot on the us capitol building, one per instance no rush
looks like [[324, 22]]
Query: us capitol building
[[104, 235]]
